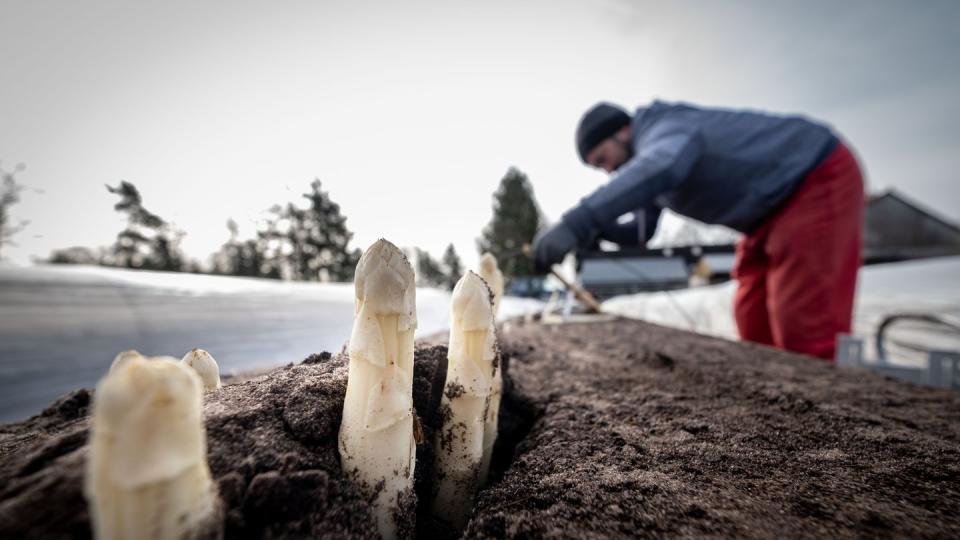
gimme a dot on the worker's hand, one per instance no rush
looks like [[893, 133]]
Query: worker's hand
[[552, 245]]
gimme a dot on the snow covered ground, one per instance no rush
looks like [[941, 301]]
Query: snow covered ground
[[60, 326], [927, 286]]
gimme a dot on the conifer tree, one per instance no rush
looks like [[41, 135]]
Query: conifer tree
[[226, 261], [429, 271], [315, 239], [516, 220], [74, 255], [147, 241], [244, 257], [453, 266]]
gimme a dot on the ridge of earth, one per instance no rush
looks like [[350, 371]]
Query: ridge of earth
[[608, 429]]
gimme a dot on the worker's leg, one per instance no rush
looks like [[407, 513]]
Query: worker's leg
[[814, 245], [750, 301]]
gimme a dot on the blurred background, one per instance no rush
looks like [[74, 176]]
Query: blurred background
[[180, 175]]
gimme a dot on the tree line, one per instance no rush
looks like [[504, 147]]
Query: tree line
[[10, 191], [307, 240], [298, 242]]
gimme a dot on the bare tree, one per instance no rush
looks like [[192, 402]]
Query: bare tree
[[9, 195]]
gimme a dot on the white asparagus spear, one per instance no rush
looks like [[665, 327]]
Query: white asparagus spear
[[471, 376], [206, 367], [124, 357], [491, 422], [147, 474], [376, 440], [490, 273]]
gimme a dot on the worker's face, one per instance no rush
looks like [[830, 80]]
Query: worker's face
[[612, 152]]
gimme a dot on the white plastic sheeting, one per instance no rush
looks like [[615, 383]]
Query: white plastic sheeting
[[925, 286]]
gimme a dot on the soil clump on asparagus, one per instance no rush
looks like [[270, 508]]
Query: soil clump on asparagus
[[608, 429]]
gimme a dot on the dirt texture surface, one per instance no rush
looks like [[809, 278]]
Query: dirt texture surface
[[612, 429], [272, 449], [648, 431]]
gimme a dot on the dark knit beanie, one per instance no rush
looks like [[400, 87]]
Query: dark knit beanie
[[598, 123]]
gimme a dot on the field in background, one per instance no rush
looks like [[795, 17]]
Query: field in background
[[60, 326], [924, 286]]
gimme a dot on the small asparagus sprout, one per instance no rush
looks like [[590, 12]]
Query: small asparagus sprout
[[490, 273], [124, 357], [206, 367], [472, 374], [491, 422], [494, 278], [146, 473], [377, 444]]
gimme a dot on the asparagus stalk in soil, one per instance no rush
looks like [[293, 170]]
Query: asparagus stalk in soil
[[490, 273], [146, 473], [206, 367], [491, 421], [494, 278], [472, 373], [376, 438]]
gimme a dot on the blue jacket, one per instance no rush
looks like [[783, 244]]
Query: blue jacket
[[722, 167]]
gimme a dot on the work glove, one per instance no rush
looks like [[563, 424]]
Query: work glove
[[552, 245]]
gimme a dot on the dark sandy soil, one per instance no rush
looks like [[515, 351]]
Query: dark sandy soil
[[611, 429], [647, 431], [272, 448]]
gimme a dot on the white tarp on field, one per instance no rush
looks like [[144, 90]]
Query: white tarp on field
[[926, 286]]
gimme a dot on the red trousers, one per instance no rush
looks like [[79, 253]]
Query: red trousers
[[797, 273]]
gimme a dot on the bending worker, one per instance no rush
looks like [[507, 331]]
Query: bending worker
[[786, 182]]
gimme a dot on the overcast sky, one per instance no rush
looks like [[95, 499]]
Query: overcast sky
[[411, 112]]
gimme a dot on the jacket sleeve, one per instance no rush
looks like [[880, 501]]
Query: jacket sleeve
[[665, 156], [644, 223]]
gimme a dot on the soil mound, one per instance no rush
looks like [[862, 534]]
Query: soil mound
[[613, 429], [648, 431], [272, 448]]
